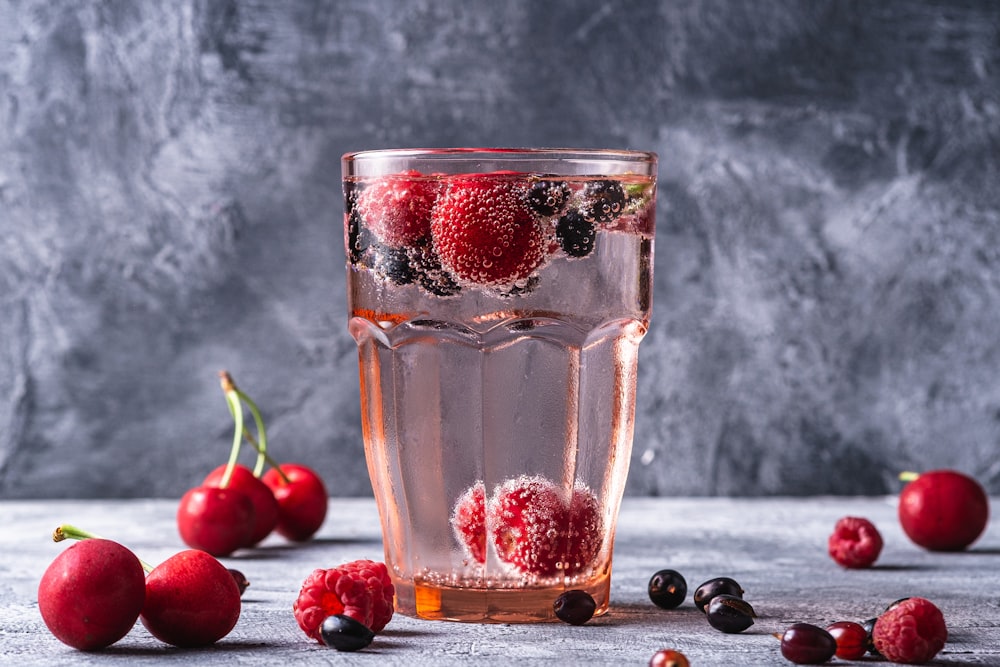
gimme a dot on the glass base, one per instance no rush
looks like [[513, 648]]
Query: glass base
[[493, 605]]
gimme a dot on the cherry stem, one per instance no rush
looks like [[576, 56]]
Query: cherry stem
[[908, 476], [267, 457], [258, 421], [236, 409], [70, 532]]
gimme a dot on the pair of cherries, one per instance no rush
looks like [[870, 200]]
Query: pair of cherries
[[235, 507], [93, 593]]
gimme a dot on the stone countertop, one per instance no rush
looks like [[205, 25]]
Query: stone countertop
[[776, 548]]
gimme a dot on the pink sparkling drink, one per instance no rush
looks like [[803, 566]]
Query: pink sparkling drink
[[498, 298]]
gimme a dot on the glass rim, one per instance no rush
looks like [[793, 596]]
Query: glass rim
[[459, 153]]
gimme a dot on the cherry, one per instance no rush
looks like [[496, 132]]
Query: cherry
[[943, 510], [302, 500], [807, 644], [242, 583], [851, 638], [300, 494], [215, 520], [191, 600], [91, 594], [265, 507]]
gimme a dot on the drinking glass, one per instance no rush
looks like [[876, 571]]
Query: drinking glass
[[498, 298]]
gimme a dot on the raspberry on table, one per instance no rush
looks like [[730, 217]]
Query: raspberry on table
[[360, 589], [468, 520], [855, 542], [911, 632]]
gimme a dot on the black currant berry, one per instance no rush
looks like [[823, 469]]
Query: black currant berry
[[575, 607], [730, 614], [667, 589], [806, 644], [869, 626], [603, 201], [428, 272], [576, 234], [392, 264], [718, 586], [345, 633], [548, 197]]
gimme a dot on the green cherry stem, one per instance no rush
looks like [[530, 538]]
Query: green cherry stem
[[236, 409], [70, 532], [267, 457], [908, 476], [258, 421]]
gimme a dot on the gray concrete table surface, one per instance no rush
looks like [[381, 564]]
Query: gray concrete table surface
[[776, 548]]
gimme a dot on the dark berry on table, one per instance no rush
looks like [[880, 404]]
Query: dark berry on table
[[869, 626], [668, 657], [345, 633], [667, 589], [718, 586], [392, 264], [548, 197], [575, 607], [603, 201], [730, 614], [807, 644], [576, 234], [241, 581], [852, 639]]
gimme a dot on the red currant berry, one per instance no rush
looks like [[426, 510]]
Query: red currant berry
[[851, 638], [806, 644]]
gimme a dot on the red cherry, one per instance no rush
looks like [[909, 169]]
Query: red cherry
[[215, 520], [91, 594], [265, 507], [943, 510], [191, 600], [302, 500]]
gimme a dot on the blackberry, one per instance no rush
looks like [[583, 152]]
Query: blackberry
[[576, 234], [603, 201], [548, 197], [392, 264], [429, 275]]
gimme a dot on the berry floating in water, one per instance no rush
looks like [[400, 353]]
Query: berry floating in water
[[603, 201], [576, 234], [548, 197], [667, 589], [575, 607]]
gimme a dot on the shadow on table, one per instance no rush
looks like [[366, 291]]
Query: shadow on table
[[281, 550]]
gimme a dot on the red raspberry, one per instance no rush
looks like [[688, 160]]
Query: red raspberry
[[468, 520], [912, 632], [397, 208], [855, 542], [528, 518], [534, 530], [485, 232], [360, 589], [586, 530]]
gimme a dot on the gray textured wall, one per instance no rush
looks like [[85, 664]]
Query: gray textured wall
[[827, 305]]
